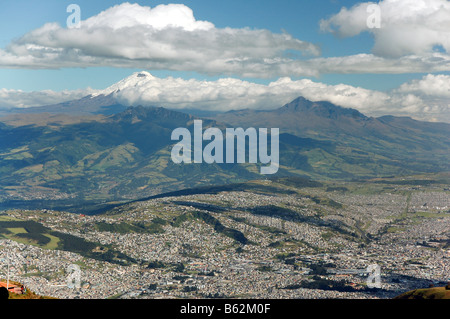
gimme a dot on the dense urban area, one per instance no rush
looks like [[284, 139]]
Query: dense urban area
[[276, 240]]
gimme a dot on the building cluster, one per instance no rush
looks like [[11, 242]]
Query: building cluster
[[411, 249]]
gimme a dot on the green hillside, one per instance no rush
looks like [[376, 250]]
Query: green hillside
[[74, 163], [430, 293], [30, 232]]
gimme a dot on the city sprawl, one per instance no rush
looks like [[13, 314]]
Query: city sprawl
[[272, 240]]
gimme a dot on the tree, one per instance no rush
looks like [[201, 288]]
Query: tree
[[179, 267], [189, 288]]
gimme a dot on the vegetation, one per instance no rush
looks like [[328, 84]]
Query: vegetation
[[429, 293], [155, 227], [210, 220], [323, 284], [189, 288], [28, 294], [127, 156], [318, 269], [35, 233], [297, 182], [264, 268], [157, 264]]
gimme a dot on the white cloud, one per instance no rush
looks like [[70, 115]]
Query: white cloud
[[165, 37], [372, 64], [22, 99], [430, 85], [424, 99], [408, 27], [161, 17], [434, 91], [168, 37]]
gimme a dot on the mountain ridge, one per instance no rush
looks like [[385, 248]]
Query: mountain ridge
[[126, 155], [105, 102]]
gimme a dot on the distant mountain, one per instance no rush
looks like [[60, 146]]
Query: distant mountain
[[103, 102], [120, 157], [95, 149], [88, 105], [363, 145], [324, 119]]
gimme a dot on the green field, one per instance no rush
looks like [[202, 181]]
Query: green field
[[21, 235], [33, 233]]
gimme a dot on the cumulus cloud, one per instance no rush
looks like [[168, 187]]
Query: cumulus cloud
[[169, 37], [23, 99], [429, 85], [165, 37], [424, 99], [371, 64], [434, 91], [408, 27]]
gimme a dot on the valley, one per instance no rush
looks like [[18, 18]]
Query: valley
[[282, 238], [70, 162], [200, 152], [99, 190]]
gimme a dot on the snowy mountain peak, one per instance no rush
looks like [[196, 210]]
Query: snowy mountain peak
[[135, 80]]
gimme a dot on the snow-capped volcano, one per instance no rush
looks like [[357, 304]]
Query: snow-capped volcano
[[137, 79], [111, 100]]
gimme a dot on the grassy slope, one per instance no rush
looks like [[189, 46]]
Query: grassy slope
[[430, 293], [127, 156]]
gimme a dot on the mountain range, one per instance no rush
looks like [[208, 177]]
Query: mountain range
[[96, 150]]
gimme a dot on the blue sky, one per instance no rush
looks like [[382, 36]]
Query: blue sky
[[299, 18], [388, 59]]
